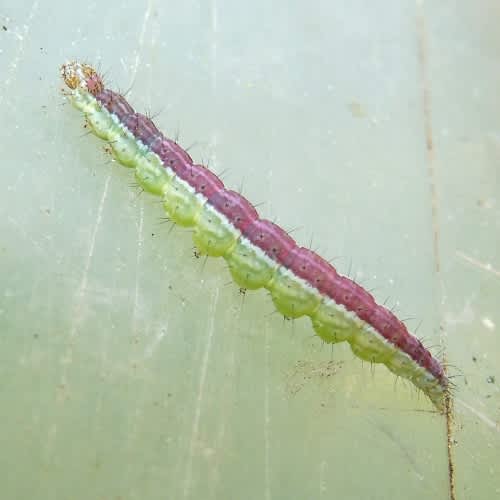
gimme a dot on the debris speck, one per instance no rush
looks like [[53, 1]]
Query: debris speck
[[356, 109]]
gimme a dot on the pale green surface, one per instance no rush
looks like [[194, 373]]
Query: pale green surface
[[130, 370]]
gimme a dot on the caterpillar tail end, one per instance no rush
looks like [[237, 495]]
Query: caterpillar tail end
[[441, 397]]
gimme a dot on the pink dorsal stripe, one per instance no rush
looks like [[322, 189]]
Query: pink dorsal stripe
[[235, 207], [309, 266], [200, 179], [146, 130], [115, 103], [168, 150], [274, 241]]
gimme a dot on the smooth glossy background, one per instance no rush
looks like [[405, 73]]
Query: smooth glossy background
[[131, 370]]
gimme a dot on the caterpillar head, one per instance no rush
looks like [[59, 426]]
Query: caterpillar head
[[83, 76]]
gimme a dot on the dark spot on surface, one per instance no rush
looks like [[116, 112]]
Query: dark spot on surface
[[491, 379], [4, 27]]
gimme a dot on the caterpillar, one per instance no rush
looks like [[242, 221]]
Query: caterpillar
[[259, 253]]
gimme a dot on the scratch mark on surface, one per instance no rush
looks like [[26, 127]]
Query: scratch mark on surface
[[394, 438], [140, 241], [26, 235], [199, 398], [151, 348], [62, 387], [135, 66], [77, 314], [423, 59], [429, 142], [224, 416], [219, 457], [17, 183], [322, 478], [485, 266], [214, 46], [267, 421], [213, 80], [20, 50], [48, 448], [484, 418], [464, 317], [90, 254]]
